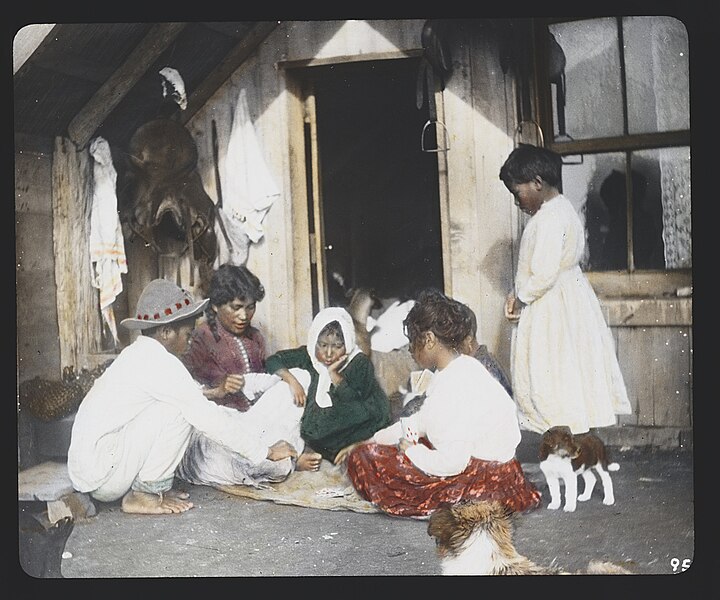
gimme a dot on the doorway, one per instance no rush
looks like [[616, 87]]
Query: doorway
[[375, 215]]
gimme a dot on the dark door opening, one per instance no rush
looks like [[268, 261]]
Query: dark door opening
[[380, 197]]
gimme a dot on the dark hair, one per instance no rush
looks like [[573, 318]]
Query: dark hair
[[446, 318], [330, 328], [527, 162], [229, 282], [174, 325], [473, 319]]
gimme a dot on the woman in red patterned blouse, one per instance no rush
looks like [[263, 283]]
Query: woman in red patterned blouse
[[226, 346]]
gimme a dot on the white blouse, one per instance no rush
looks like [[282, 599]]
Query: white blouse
[[467, 413]]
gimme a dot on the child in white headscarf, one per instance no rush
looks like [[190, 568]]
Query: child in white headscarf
[[344, 402]]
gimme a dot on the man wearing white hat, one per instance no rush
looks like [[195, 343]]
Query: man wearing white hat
[[134, 425]]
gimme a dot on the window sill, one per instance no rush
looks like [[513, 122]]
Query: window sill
[[644, 299]]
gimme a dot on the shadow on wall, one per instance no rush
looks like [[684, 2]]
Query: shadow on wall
[[500, 279]]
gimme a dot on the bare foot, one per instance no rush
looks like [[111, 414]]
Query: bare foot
[[142, 503], [308, 462], [177, 494]]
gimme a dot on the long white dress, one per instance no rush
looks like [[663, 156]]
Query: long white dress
[[564, 367]]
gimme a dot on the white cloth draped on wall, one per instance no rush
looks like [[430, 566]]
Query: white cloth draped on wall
[[107, 247], [235, 249], [174, 86], [249, 190]]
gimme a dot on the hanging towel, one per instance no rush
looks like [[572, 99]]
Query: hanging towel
[[107, 247], [237, 251], [250, 190]]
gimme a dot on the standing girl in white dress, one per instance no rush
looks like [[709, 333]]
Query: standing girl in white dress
[[563, 363]]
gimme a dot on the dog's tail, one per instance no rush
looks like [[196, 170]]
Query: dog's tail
[[601, 567], [613, 466]]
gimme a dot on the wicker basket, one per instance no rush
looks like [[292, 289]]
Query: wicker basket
[[49, 400]]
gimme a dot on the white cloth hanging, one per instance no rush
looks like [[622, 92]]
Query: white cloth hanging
[[235, 249], [249, 190], [174, 86], [387, 330], [107, 247]]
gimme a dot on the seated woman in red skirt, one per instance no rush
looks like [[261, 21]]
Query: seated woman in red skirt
[[467, 427]]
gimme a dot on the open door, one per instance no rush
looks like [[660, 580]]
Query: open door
[[316, 227], [373, 191]]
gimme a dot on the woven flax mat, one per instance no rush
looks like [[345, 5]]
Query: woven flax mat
[[328, 489]]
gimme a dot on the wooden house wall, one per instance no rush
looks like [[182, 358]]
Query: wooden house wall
[[653, 340], [281, 263], [38, 349], [483, 221], [482, 225], [78, 303]]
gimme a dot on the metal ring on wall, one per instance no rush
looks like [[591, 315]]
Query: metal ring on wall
[[537, 127], [422, 138]]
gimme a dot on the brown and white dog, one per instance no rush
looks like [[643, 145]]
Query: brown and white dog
[[564, 456], [475, 538]]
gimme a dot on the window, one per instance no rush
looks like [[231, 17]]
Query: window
[[614, 92]]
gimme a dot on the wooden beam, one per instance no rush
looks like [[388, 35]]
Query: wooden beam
[[84, 70], [85, 123], [220, 74], [349, 58]]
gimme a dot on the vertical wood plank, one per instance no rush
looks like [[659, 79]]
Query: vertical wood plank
[[671, 376], [38, 351], [624, 346], [77, 300], [656, 363]]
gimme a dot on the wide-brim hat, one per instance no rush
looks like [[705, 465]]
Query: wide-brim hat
[[163, 302]]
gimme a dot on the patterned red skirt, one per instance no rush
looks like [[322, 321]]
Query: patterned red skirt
[[386, 477]]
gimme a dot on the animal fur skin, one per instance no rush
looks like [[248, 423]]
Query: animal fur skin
[[161, 198], [564, 456], [475, 538]]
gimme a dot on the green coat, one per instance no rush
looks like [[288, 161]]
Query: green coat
[[359, 408]]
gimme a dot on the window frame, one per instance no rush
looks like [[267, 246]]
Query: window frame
[[626, 143]]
